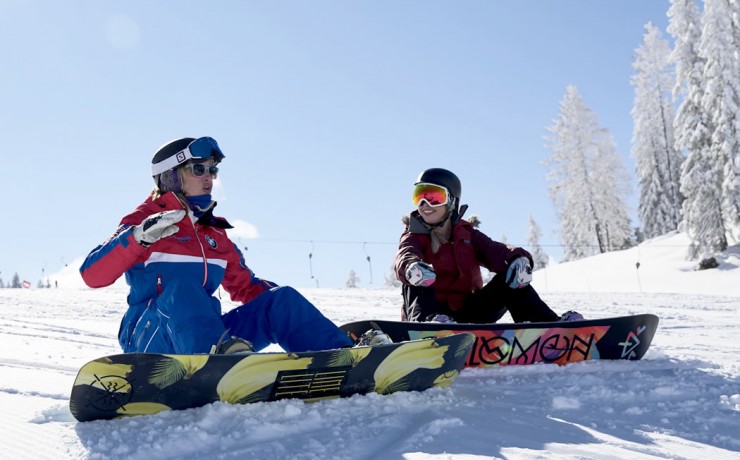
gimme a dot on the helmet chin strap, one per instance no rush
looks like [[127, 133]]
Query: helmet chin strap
[[457, 214]]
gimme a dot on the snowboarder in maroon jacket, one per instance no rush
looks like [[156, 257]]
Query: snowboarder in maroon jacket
[[439, 258]]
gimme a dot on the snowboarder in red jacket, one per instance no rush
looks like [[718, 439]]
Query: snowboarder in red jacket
[[175, 254]]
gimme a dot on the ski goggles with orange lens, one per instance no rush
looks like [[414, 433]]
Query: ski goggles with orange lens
[[434, 195]]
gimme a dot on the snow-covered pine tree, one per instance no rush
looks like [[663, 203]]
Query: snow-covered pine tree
[[390, 278], [735, 163], [658, 162], [587, 182], [611, 188], [353, 280], [539, 256], [684, 24], [721, 103], [700, 175]]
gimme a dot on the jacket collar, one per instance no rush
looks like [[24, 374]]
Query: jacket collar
[[170, 200], [416, 224]]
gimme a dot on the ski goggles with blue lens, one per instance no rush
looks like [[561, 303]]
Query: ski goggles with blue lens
[[200, 149], [434, 195]]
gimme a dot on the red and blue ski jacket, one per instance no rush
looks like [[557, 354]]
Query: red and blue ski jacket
[[199, 253]]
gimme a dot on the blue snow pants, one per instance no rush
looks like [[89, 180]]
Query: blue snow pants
[[184, 319]]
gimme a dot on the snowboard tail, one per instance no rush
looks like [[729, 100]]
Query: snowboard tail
[[624, 337], [146, 383]]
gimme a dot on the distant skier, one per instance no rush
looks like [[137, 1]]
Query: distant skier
[[439, 259], [175, 254]]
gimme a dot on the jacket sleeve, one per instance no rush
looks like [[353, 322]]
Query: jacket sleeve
[[107, 262], [410, 250], [240, 281], [496, 256]]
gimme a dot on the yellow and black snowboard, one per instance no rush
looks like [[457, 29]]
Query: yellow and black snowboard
[[145, 383]]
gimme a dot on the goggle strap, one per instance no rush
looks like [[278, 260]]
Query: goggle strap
[[172, 162], [186, 154], [430, 204]]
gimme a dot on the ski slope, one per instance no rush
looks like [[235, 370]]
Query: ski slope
[[681, 401]]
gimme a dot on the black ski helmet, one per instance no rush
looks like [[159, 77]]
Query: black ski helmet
[[169, 180], [172, 155], [445, 178]]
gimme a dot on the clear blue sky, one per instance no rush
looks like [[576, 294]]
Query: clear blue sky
[[326, 111]]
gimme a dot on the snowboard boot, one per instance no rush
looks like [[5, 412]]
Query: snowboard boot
[[234, 345], [571, 315], [372, 338], [441, 319]]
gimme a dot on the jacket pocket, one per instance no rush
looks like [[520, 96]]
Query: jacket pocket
[[143, 330]]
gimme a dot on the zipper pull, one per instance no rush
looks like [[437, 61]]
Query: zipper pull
[[159, 284]]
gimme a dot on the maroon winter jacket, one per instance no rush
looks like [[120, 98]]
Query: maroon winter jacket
[[457, 263]]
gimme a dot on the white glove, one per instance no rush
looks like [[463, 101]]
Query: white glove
[[158, 226], [420, 274], [519, 273]]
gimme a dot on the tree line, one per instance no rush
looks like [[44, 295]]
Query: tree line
[[16, 283], [685, 142]]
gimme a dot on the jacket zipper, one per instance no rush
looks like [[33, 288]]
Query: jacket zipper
[[203, 253]]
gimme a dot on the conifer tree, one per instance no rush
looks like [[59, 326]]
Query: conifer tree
[[658, 162], [719, 48], [353, 280], [587, 182], [702, 173], [539, 256]]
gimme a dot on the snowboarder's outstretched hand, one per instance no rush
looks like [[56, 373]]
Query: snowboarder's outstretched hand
[[158, 226], [420, 274], [519, 273]]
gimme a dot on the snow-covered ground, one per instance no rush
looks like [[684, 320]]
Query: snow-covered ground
[[681, 401]]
